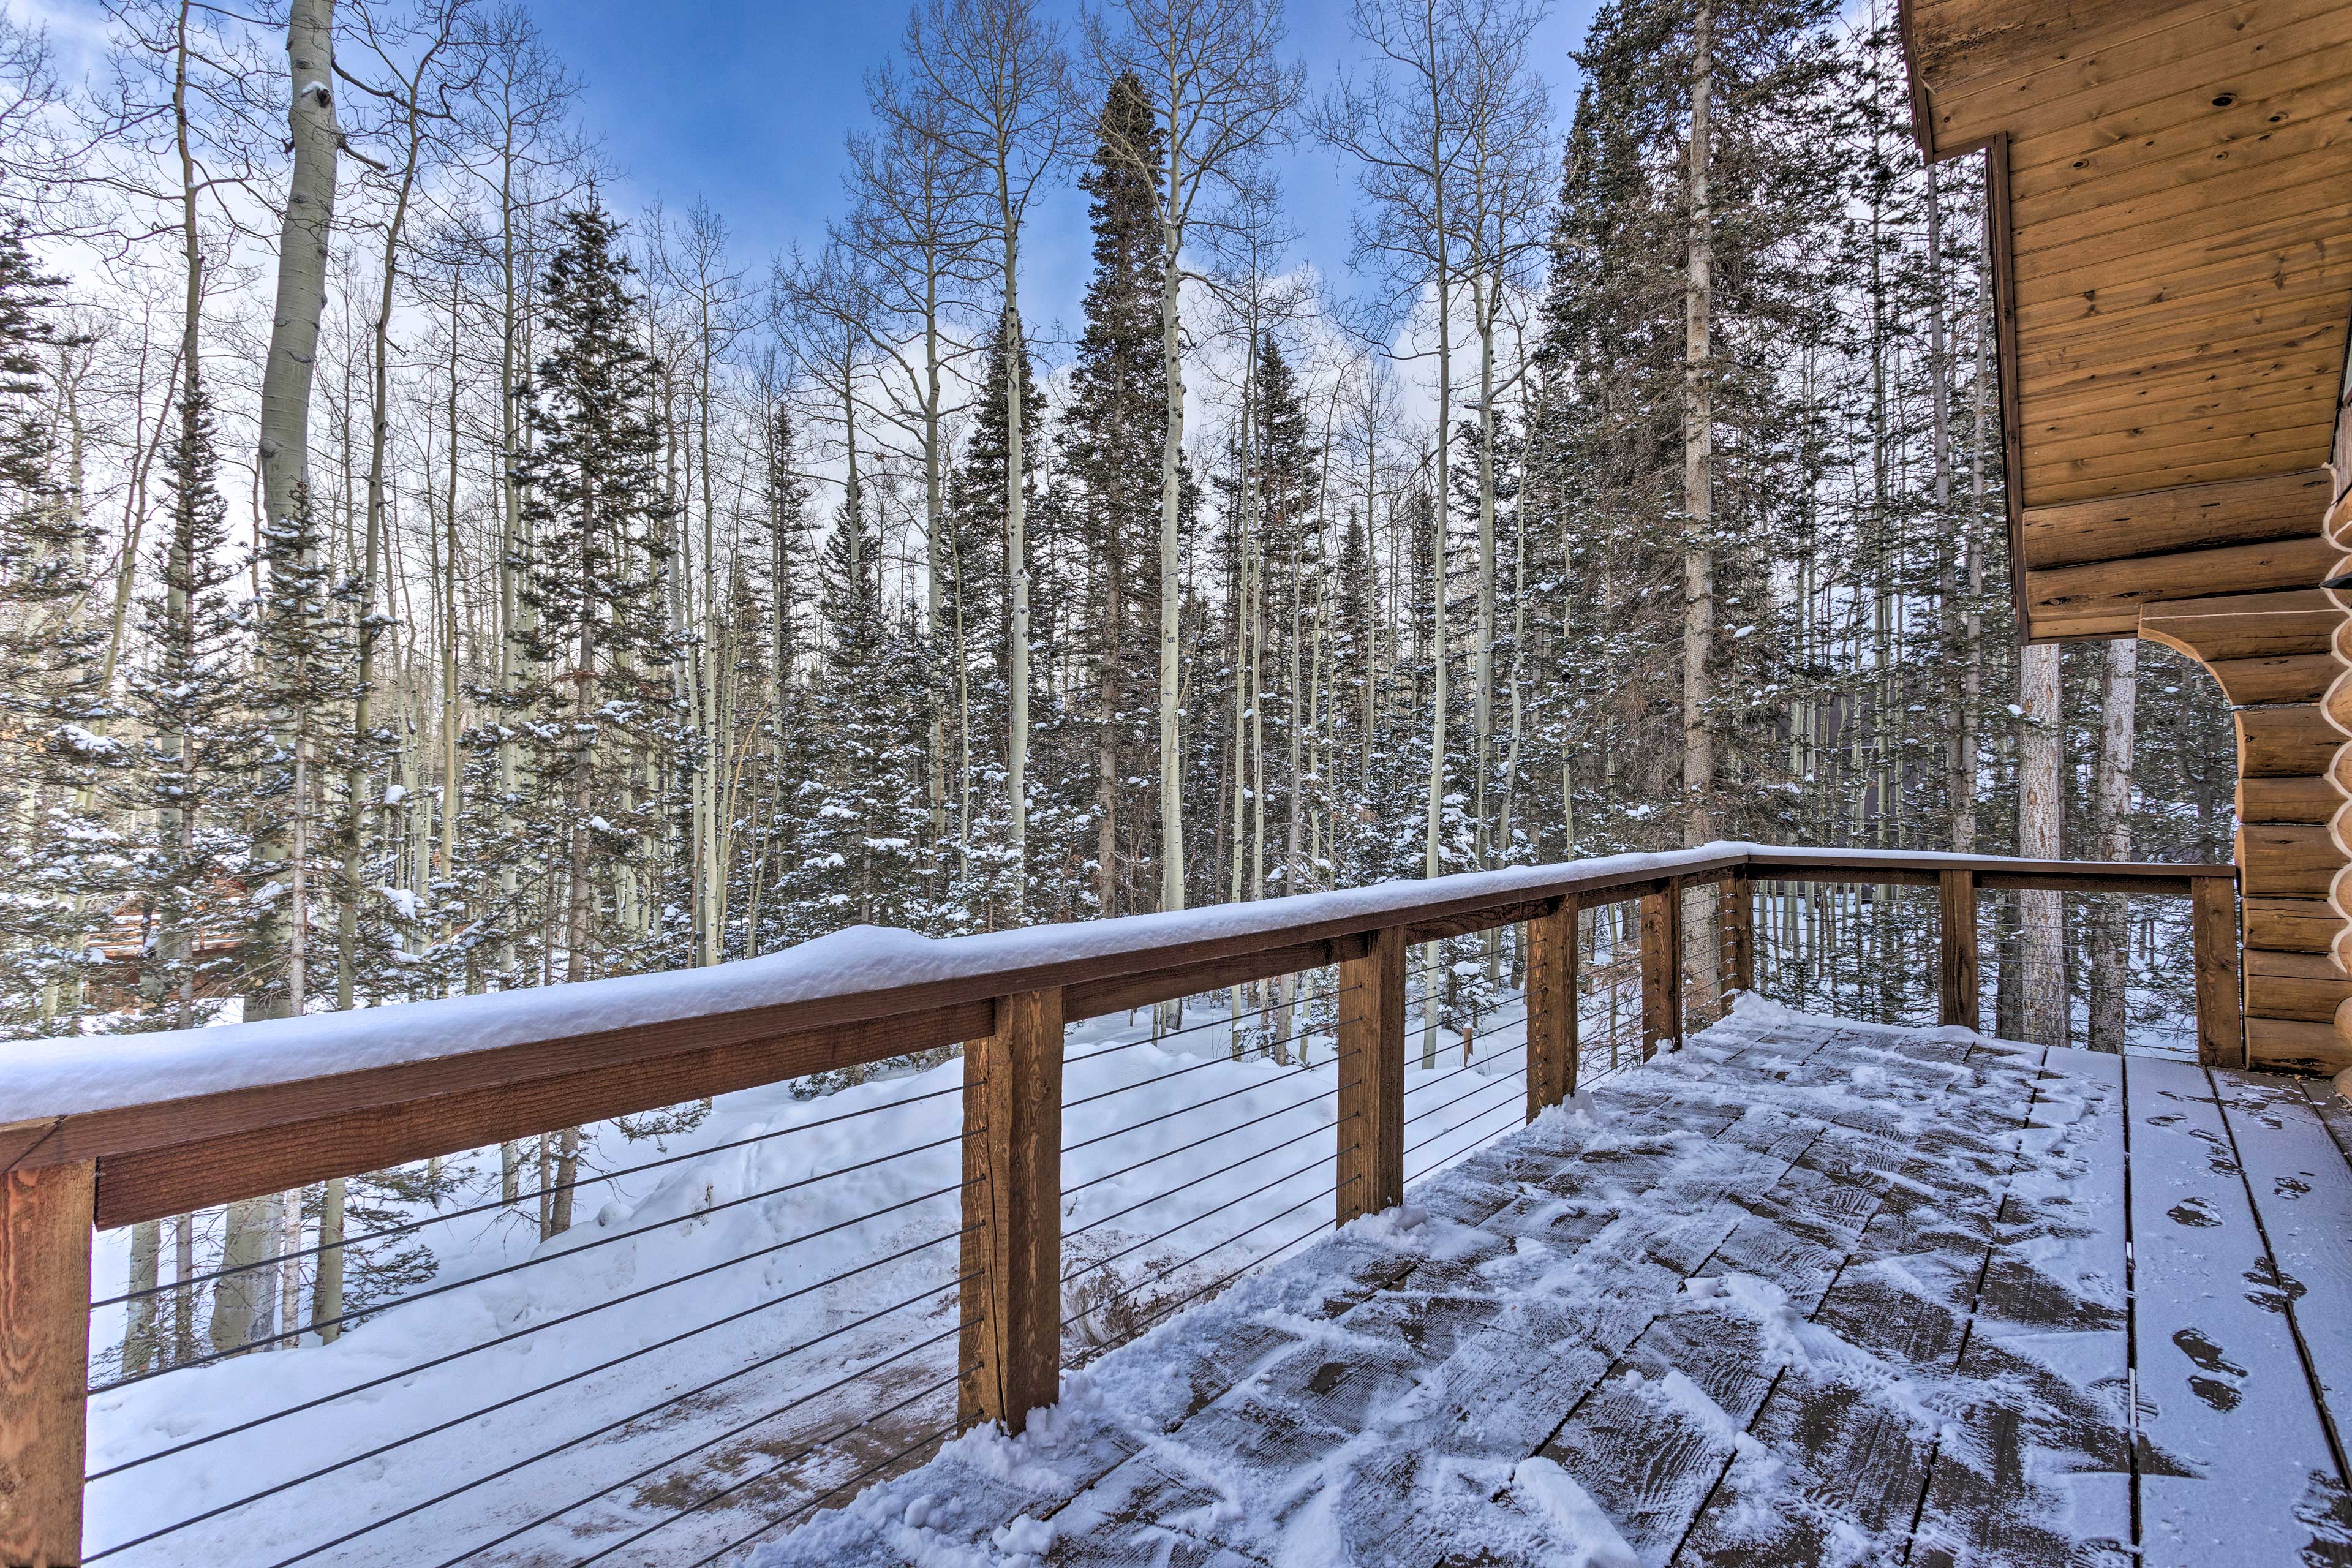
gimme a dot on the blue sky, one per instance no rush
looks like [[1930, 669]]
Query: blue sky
[[745, 104]]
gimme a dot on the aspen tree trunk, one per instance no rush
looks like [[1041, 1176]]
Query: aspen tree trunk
[[515, 616], [1959, 768], [710, 867], [935, 549], [452, 779], [1698, 452], [140, 1350], [1432, 863], [1171, 470], [1485, 299], [327, 1293], [1964, 805], [1016, 558], [302, 241], [2111, 804], [2041, 744], [355, 803]]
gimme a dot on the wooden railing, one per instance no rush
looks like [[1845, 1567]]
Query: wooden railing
[[111, 1132]]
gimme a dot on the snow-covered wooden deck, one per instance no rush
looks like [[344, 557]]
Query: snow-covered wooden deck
[[1805, 1292]]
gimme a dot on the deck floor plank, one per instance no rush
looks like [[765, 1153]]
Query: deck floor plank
[[2234, 1466], [1803, 1292], [2039, 1469]]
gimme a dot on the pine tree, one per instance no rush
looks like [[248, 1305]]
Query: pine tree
[[602, 699], [57, 851], [980, 621], [1113, 431], [199, 730]]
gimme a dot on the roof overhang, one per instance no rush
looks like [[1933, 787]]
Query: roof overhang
[[2171, 235]]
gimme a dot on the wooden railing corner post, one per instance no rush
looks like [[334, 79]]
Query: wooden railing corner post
[[2221, 998], [44, 1254], [1551, 1007], [1662, 967], [1010, 1297], [1958, 988], [1370, 1111], [1736, 943]]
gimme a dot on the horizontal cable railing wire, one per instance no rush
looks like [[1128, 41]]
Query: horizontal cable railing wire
[[839, 1355], [409, 1227]]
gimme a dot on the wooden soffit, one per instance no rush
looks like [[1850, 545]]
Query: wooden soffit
[[2172, 233]]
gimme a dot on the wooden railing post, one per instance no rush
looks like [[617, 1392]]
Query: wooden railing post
[[1011, 1345], [1551, 1007], [1957, 992], [1371, 1078], [1735, 955], [2221, 1002], [1662, 967], [45, 1226]]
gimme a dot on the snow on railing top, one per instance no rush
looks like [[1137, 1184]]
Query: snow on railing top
[[78, 1075]]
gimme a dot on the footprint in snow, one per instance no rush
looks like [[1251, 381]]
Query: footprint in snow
[[2219, 1390]]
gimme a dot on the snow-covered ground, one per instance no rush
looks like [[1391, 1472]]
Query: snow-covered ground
[[708, 1323]]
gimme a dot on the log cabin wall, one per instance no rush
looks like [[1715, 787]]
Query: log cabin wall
[[2172, 226]]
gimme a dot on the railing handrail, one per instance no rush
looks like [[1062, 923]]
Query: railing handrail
[[278, 1100]]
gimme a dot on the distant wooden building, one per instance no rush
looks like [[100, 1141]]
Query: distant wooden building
[[2172, 226]]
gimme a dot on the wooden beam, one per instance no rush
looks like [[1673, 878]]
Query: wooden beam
[[2123, 587], [1121, 994], [1371, 1077], [2290, 925], [2245, 626], [1662, 970], [2310, 798], [2286, 984], [265, 1156], [1012, 1327], [2294, 740], [45, 1231], [1957, 991], [2166, 522], [2291, 1045], [2220, 1022], [2282, 859]]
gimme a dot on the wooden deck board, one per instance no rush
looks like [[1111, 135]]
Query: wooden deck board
[[1803, 1292], [2233, 1464]]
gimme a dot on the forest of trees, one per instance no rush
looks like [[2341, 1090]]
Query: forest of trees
[[419, 577]]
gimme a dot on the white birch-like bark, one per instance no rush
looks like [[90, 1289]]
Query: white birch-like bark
[[2112, 804], [2040, 805]]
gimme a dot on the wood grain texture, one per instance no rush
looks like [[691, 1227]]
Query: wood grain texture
[[2121, 587], [45, 1247], [2294, 741], [2245, 626], [2291, 925], [1735, 954], [1013, 1350], [2291, 1045], [2184, 518], [1957, 987], [2281, 984], [2281, 860], [2311, 799], [2213, 944], [1551, 1010], [1371, 1048], [265, 1156], [1662, 970]]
